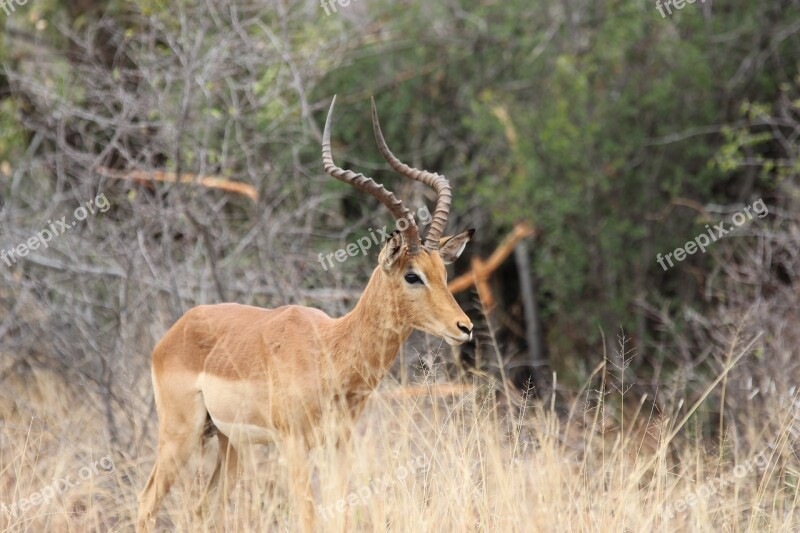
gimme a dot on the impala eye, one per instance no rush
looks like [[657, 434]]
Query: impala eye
[[412, 278]]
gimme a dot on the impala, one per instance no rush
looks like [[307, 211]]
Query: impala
[[252, 375]]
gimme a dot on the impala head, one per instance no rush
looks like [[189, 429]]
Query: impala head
[[418, 286], [413, 273]]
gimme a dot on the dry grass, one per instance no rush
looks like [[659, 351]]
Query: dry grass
[[464, 462]]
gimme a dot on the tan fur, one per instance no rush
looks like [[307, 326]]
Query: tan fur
[[263, 374]]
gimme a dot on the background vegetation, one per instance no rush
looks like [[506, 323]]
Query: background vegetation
[[618, 133]]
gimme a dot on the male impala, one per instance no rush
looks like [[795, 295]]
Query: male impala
[[258, 375]]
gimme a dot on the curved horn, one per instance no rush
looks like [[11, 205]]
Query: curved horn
[[435, 181], [368, 185]]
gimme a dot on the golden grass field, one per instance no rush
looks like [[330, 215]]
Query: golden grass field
[[464, 461]]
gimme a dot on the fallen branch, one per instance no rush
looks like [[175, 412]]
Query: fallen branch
[[482, 270], [210, 182], [437, 390]]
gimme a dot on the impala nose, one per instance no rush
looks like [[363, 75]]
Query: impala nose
[[466, 328]]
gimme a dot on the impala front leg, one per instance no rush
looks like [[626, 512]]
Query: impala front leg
[[344, 467], [295, 450]]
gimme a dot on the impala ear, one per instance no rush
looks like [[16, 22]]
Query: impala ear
[[392, 250], [450, 248]]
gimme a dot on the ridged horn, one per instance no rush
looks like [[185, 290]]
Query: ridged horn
[[437, 182], [402, 215]]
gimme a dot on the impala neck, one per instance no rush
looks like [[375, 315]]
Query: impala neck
[[367, 339]]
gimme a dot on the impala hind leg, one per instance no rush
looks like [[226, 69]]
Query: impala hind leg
[[227, 464], [182, 416]]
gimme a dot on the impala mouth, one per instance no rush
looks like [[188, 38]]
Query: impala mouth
[[452, 340], [457, 341]]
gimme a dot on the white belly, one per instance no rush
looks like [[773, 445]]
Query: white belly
[[245, 434], [239, 409]]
